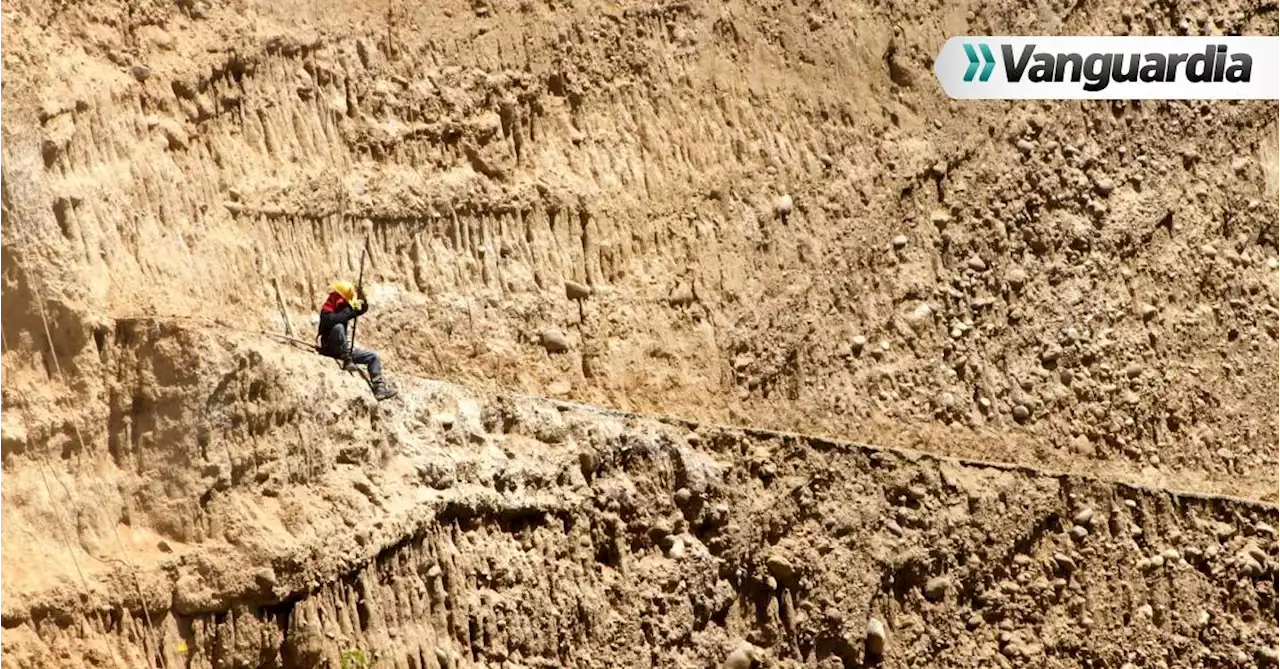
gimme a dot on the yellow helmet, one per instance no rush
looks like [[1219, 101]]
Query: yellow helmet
[[344, 288]]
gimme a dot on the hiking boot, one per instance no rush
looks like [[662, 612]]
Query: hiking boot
[[382, 392], [349, 366]]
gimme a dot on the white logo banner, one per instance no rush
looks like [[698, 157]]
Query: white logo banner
[[1110, 68]]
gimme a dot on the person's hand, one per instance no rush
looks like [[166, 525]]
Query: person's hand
[[358, 304]]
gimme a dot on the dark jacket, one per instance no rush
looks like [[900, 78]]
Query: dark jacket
[[331, 337]]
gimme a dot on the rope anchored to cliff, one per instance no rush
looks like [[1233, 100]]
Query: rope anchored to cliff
[[152, 638]]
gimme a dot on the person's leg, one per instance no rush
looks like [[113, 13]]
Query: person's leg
[[368, 359]]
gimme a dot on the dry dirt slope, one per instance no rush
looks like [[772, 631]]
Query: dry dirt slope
[[174, 173], [277, 517], [1104, 270]]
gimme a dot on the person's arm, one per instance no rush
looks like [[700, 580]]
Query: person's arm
[[346, 313]]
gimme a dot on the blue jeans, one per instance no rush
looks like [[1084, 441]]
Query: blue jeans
[[362, 357], [370, 360]]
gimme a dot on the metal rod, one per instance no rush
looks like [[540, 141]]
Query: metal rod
[[351, 346]]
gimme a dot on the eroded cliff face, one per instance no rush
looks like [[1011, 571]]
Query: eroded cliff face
[[1086, 287], [292, 522], [741, 213]]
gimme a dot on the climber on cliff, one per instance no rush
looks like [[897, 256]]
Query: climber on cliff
[[345, 304]]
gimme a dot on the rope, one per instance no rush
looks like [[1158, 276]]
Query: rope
[[41, 460], [124, 551]]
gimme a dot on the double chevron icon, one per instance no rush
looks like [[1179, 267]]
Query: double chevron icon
[[988, 62]]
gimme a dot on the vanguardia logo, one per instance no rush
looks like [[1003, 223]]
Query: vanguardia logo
[[1110, 68], [1098, 70]]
